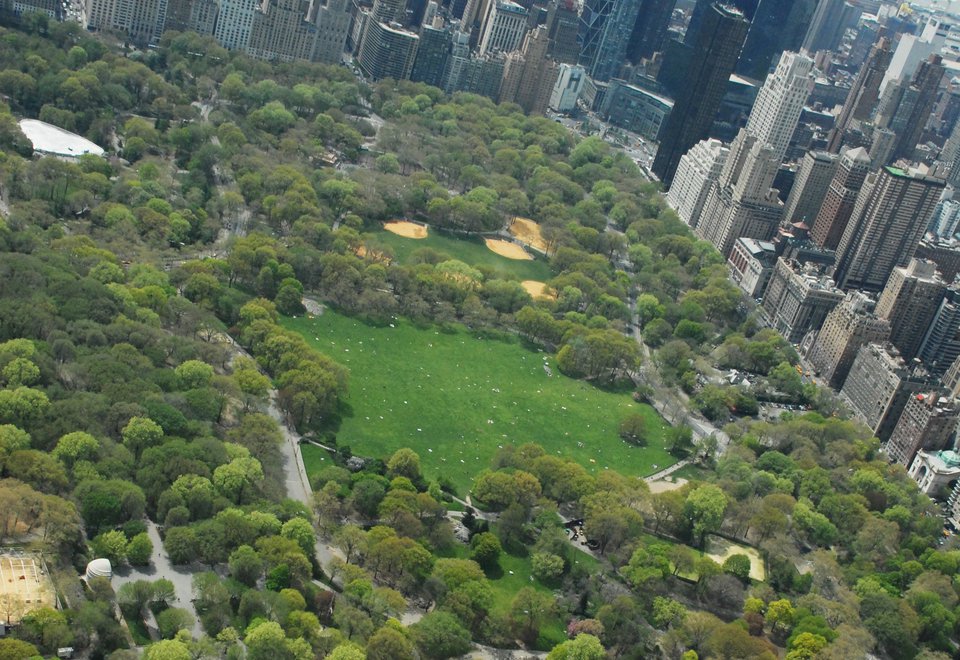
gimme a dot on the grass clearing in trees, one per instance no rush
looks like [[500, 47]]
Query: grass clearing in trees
[[470, 250], [454, 399]]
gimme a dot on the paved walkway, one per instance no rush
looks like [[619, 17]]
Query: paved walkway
[[160, 567]]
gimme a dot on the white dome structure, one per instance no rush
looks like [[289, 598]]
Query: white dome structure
[[99, 568]]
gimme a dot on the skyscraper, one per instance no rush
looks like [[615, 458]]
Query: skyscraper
[[810, 187], [562, 25], [916, 104], [864, 94], [879, 385], [941, 345], [798, 299], [282, 33], [333, 24], [742, 203], [605, 28], [714, 54], [830, 20], [650, 29], [928, 421], [777, 26], [851, 325], [567, 88], [530, 86], [889, 217], [910, 301], [827, 229], [698, 170], [780, 101], [432, 55], [234, 23], [503, 27], [387, 50], [141, 20]]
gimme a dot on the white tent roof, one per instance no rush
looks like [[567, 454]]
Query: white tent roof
[[50, 139]]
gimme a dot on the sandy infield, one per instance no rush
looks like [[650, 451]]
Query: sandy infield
[[527, 231], [537, 289], [507, 249], [406, 229]]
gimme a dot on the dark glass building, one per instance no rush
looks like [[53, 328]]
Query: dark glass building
[[713, 56], [650, 30], [605, 29], [777, 26]]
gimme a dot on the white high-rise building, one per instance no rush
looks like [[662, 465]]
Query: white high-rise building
[[699, 168], [913, 49], [780, 101], [742, 203], [235, 23], [567, 88], [503, 27]]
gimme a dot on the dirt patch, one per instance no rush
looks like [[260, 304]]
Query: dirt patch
[[538, 289], [663, 486], [720, 548], [507, 249], [406, 229], [375, 255], [528, 232]]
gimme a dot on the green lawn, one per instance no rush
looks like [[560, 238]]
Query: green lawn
[[314, 458], [514, 575], [454, 399], [468, 250]]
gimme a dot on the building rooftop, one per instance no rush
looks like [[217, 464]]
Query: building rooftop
[[49, 139]]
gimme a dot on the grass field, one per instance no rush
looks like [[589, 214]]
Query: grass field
[[454, 399], [468, 250]]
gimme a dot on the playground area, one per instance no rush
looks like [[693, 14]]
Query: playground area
[[719, 549], [24, 586]]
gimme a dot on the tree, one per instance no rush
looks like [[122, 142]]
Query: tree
[[112, 545], [47, 628], [238, 479], [168, 649], [806, 646], [667, 612], [390, 643], [75, 446], [245, 565], [135, 596], [704, 509], [347, 651], [737, 565], [439, 635], [780, 614], [633, 429], [527, 611], [301, 531], [139, 550], [15, 649], [181, 545], [141, 433], [582, 647], [485, 549], [404, 463], [194, 374], [172, 620], [547, 567]]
